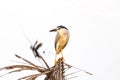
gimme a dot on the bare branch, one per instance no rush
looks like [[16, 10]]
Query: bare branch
[[79, 69], [72, 73], [30, 77], [19, 66], [33, 76], [38, 67]]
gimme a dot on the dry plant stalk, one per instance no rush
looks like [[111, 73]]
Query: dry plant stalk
[[56, 72]]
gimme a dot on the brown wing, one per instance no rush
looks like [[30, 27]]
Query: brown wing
[[56, 40]]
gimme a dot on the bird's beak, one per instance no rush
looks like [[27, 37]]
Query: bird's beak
[[53, 30]]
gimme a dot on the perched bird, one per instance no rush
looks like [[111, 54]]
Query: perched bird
[[61, 40]]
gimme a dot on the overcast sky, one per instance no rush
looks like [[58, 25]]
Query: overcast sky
[[94, 27]]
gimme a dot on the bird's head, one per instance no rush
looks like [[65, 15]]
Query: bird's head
[[59, 29]]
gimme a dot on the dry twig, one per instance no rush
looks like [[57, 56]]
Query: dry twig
[[56, 72]]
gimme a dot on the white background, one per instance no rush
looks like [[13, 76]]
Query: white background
[[94, 27]]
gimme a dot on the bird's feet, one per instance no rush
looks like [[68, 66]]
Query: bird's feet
[[63, 59]]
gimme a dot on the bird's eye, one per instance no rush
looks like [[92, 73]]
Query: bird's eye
[[58, 27]]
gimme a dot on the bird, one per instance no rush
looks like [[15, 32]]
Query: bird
[[61, 39]]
